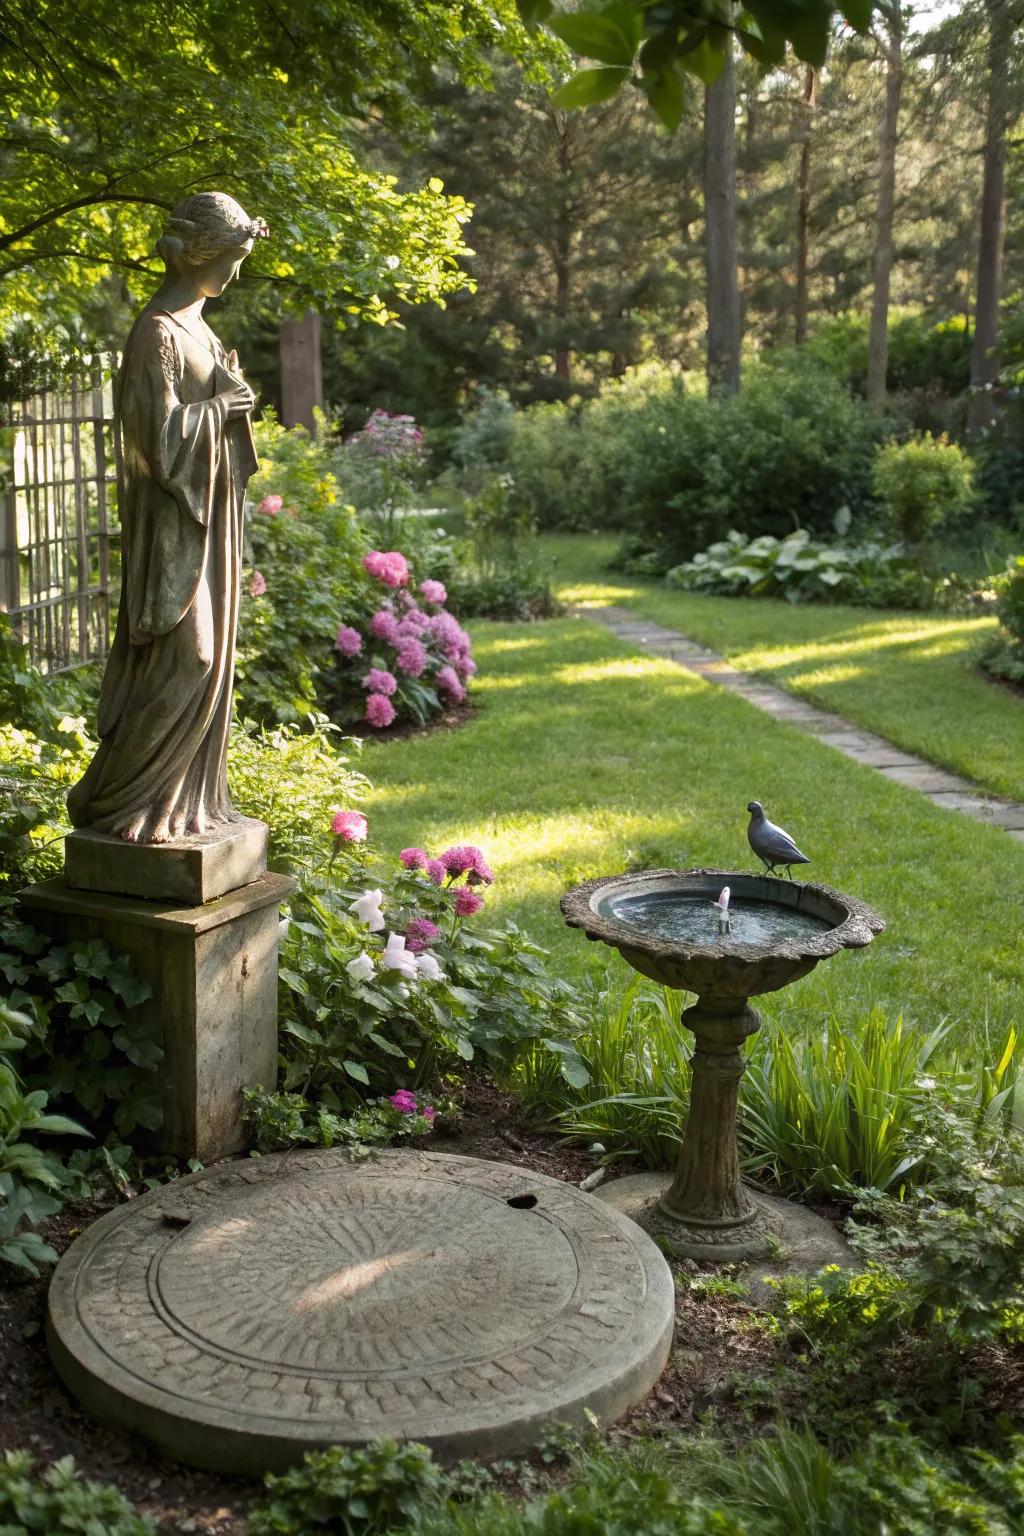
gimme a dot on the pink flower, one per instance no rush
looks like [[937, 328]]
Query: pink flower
[[429, 1112], [450, 684], [385, 626], [379, 681], [350, 826], [404, 1102], [436, 870], [258, 584], [408, 629], [271, 505], [467, 860], [466, 665], [467, 901], [419, 933], [380, 711], [349, 641], [388, 566], [412, 658], [416, 620], [413, 858], [434, 592]]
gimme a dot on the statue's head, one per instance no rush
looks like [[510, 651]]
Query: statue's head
[[207, 237]]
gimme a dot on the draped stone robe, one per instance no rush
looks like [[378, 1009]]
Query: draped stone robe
[[166, 699]]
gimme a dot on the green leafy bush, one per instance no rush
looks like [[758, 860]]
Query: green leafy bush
[[925, 487], [500, 576], [790, 450], [59, 1503], [344, 1492], [803, 569], [1003, 653], [93, 1041], [29, 1174]]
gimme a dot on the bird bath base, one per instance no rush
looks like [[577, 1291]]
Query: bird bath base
[[707, 1212]]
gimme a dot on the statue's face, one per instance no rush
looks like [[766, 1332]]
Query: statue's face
[[223, 269]]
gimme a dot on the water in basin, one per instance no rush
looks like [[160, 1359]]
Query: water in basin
[[692, 919]]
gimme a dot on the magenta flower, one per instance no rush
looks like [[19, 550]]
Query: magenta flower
[[258, 584], [412, 658], [429, 1112], [350, 826], [271, 505], [466, 665], [404, 1102], [467, 901], [380, 711], [349, 641], [413, 858], [409, 629], [385, 626], [387, 566], [416, 620], [419, 933], [434, 592], [380, 681], [467, 860], [450, 684], [436, 870]]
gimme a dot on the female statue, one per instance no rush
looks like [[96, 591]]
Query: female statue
[[165, 703]]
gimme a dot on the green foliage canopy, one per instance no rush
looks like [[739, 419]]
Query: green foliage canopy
[[664, 41], [108, 117]]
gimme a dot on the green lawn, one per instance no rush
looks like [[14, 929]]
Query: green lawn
[[585, 758], [911, 677]]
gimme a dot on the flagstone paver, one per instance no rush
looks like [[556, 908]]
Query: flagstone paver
[[941, 787]]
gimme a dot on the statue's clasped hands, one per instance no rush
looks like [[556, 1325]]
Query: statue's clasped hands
[[238, 396]]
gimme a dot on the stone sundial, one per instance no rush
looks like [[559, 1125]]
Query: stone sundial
[[257, 1310]]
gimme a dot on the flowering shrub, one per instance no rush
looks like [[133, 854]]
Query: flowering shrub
[[281, 1120], [390, 975], [381, 466], [329, 624]]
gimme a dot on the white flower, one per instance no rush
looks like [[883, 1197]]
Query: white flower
[[367, 909], [361, 968], [427, 967], [398, 958]]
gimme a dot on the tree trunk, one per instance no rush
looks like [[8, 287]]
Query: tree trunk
[[803, 207], [981, 412], [723, 301], [563, 261], [885, 207]]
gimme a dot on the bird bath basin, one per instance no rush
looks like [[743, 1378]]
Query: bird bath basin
[[663, 922]]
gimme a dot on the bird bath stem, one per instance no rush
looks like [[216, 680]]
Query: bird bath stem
[[665, 924]]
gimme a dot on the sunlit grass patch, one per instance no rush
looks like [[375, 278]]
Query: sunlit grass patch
[[911, 677]]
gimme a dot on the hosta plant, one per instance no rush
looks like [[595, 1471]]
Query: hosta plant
[[803, 569]]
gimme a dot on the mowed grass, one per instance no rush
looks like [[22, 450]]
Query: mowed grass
[[585, 759], [913, 678]]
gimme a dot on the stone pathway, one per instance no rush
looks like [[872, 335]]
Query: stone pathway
[[942, 788]]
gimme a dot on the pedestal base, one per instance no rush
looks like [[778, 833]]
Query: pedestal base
[[213, 971], [191, 870], [791, 1238]]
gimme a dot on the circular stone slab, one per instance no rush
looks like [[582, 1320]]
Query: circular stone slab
[[259, 1309]]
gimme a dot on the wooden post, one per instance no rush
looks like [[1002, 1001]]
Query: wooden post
[[302, 380]]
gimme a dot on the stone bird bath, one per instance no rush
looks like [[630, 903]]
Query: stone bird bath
[[663, 922]]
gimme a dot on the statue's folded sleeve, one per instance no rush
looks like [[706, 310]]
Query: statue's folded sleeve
[[172, 453]]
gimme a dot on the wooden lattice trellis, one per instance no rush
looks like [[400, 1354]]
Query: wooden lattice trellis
[[59, 543]]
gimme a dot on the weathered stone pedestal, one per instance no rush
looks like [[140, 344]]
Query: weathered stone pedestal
[[209, 953]]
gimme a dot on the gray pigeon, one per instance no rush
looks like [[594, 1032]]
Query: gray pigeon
[[771, 844]]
